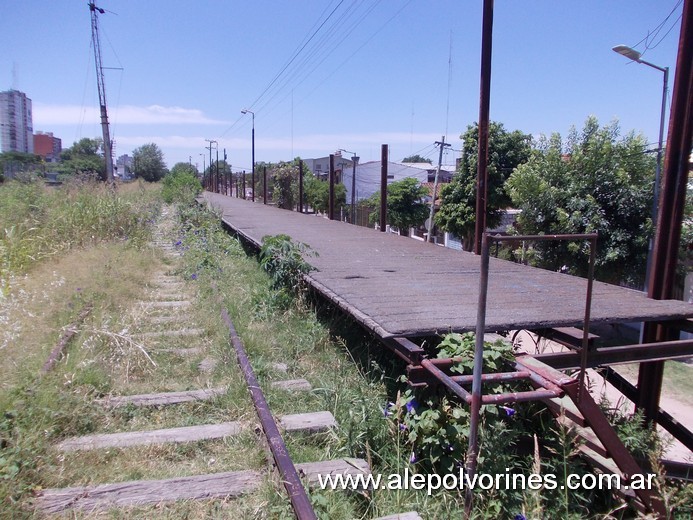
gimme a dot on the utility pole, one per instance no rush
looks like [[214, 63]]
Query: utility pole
[[442, 145], [210, 141], [300, 185], [330, 205], [95, 11], [383, 187]]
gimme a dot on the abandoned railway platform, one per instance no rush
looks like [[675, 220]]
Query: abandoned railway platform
[[401, 290]]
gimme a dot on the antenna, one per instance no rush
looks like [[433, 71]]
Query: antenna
[[95, 11]]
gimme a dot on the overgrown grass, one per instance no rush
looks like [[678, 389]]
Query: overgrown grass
[[40, 222]]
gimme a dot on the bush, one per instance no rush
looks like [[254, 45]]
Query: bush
[[181, 187]]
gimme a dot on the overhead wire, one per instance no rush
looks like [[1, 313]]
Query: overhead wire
[[651, 35], [330, 74]]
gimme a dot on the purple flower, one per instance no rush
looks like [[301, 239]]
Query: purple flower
[[509, 411], [387, 411], [519, 516], [412, 458], [79, 288], [411, 406], [402, 427], [193, 276], [178, 243]]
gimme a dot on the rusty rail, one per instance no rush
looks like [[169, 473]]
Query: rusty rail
[[292, 482]]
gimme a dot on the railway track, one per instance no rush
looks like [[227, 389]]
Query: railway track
[[166, 337]]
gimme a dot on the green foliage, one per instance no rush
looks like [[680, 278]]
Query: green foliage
[[506, 151], [148, 163], [283, 260], [12, 163], [85, 157], [405, 206], [285, 183], [416, 158], [317, 193], [203, 240], [593, 181], [181, 185]]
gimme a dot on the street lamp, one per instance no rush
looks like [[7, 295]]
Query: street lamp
[[252, 175], [354, 160], [634, 55]]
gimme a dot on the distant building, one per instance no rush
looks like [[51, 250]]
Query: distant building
[[47, 146], [368, 177], [16, 122], [321, 166], [447, 171], [124, 166]]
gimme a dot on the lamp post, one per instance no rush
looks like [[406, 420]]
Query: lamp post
[[252, 175], [634, 55], [354, 160]]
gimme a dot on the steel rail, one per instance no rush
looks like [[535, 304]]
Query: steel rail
[[292, 481]]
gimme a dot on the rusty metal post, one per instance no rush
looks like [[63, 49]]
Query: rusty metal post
[[473, 449], [244, 184], [330, 203], [671, 207], [383, 187], [484, 102], [586, 323], [300, 186], [264, 184]]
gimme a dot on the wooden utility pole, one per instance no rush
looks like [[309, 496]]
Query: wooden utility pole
[[300, 186], [330, 203], [383, 187]]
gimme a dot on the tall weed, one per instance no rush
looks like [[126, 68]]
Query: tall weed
[[37, 222]]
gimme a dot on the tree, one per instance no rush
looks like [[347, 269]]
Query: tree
[[84, 157], [183, 167], [507, 150], [148, 162], [592, 182], [405, 206], [317, 193], [416, 158]]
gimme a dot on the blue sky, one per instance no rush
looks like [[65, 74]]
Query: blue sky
[[376, 72]]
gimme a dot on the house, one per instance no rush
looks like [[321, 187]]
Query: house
[[447, 171], [321, 166], [368, 177]]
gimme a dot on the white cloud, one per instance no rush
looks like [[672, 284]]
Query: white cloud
[[47, 115]]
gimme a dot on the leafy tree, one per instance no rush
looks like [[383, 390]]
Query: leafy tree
[[405, 206], [317, 193], [507, 150], [84, 157], [416, 158], [593, 181], [148, 163], [183, 167]]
